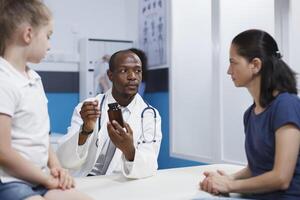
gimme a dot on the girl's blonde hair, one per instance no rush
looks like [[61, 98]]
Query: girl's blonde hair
[[15, 12]]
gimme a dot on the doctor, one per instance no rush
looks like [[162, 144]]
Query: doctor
[[101, 148]]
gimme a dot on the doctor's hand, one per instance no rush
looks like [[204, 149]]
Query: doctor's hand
[[89, 113], [122, 139]]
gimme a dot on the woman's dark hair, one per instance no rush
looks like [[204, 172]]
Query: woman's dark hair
[[141, 54], [275, 73]]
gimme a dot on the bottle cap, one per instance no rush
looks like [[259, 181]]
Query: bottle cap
[[113, 106]]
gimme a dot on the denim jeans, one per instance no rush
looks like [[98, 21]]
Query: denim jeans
[[20, 190]]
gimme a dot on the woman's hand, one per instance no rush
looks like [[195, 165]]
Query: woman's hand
[[216, 182]]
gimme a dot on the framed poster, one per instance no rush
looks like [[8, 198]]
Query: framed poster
[[153, 32]]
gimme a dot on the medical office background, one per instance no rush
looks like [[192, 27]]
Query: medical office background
[[201, 109]]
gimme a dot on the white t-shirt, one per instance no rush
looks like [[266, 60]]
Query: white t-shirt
[[24, 100]]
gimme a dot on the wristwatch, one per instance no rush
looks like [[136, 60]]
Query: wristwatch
[[83, 132]]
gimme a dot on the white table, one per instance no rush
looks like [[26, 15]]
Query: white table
[[177, 183]]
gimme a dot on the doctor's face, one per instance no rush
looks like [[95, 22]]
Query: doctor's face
[[126, 75]]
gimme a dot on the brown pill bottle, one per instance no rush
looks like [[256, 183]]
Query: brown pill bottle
[[115, 113]]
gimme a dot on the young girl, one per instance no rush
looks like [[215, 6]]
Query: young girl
[[28, 167], [271, 123]]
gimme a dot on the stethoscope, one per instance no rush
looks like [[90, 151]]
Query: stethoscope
[[142, 139]]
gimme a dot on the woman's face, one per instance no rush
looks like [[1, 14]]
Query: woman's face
[[240, 70]]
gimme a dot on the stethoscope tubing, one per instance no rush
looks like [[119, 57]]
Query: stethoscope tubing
[[142, 138]]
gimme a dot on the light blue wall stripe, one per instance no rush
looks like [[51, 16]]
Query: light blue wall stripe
[[60, 107]]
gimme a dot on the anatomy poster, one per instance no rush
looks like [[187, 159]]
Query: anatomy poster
[[153, 32]]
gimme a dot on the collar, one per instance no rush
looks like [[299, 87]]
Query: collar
[[18, 77], [129, 107]]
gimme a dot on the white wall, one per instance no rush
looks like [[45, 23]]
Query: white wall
[[294, 36], [75, 19], [237, 16], [191, 80], [206, 109]]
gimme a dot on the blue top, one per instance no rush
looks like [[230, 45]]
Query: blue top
[[260, 140]]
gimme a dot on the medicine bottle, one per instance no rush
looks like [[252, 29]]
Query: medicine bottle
[[115, 113]]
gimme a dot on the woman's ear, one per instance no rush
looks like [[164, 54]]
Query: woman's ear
[[256, 65]]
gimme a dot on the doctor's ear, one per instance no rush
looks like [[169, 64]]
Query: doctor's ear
[[256, 65], [109, 74]]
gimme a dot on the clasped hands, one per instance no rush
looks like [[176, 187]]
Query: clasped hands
[[59, 178], [216, 183]]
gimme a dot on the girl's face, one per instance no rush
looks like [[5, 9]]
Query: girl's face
[[40, 42], [240, 70]]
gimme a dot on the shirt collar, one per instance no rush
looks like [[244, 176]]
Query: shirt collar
[[18, 77], [129, 107]]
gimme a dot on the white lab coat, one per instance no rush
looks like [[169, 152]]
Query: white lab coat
[[80, 161]]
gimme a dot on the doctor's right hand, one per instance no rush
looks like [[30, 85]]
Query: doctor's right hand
[[89, 113]]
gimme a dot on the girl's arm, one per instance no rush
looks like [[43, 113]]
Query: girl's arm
[[53, 160], [13, 163], [66, 181]]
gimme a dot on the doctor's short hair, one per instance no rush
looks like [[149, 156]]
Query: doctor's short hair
[[112, 60], [142, 55]]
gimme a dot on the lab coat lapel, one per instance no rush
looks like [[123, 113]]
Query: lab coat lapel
[[134, 122], [114, 161], [102, 137], [103, 134]]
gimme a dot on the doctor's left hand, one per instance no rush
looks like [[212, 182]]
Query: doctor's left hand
[[66, 181], [122, 139]]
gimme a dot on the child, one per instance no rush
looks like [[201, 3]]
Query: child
[[25, 153]]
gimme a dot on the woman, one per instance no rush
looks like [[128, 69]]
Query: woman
[[271, 123]]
